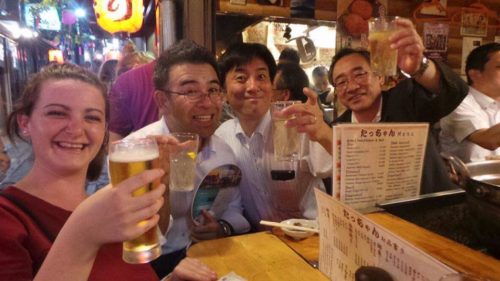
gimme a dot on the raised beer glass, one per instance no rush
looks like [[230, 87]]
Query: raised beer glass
[[128, 158], [286, 141], [183, 162], [383, 59]]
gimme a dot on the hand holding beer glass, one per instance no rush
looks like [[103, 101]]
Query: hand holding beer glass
[[128, 158], [383, 59], [183, 161], [286, 141]]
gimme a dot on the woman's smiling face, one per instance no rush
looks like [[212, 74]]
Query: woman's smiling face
[[67, 125]]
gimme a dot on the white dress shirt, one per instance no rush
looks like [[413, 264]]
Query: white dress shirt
[[267, 199], [477, 111], [215, 154]]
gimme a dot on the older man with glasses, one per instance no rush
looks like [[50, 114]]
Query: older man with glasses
[[188, 94], [431, 92]]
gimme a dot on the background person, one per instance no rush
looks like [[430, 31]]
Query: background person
[[289, 55], [289, 82], [472, 130]]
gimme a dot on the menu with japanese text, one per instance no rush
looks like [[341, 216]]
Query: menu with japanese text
[[349, 240], [376, 162]]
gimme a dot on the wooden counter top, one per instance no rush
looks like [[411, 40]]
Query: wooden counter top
[[260, 256], [453, 254], [257, 256]]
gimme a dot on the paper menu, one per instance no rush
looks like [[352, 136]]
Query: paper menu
[[375, 162], [349, 240]]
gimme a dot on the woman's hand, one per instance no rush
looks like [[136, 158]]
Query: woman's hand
[[113, 215], [192, 270]]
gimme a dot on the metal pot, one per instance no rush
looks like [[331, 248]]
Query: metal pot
[[481, 180]]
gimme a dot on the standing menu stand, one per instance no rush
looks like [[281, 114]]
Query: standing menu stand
[[349, 240], [376, 162]]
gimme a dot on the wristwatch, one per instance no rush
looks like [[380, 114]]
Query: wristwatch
[[423, 66], [226, 227]]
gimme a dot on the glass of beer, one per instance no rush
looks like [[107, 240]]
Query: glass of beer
[[183, 161], [383, 59], [128, 158], [286, 141]]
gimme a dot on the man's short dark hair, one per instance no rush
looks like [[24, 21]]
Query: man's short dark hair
[[289, 55], [184, 51], [243, 53], [319, 71], [478, 58], [343, 53], [294, 79]]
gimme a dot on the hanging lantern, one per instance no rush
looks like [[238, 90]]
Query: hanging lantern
[[119, 15]]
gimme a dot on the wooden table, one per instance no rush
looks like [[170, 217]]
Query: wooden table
[[258, 256], [263, 258]]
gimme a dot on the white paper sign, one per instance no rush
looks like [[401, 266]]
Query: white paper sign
[[349, 240]]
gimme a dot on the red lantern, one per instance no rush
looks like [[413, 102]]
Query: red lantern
[[119, 15]]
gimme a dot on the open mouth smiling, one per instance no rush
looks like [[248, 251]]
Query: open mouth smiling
[[204, 118], [70, 145]]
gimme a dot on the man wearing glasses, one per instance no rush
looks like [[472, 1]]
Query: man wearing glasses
[[431, 92], [188, 95]]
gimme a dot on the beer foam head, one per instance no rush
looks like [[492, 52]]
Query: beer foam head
[[135, 155]]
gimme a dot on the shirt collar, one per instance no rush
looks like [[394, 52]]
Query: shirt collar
[[262, 129], [377, 117], [483, 100]]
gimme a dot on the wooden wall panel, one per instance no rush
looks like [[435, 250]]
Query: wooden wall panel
[[326, 10]]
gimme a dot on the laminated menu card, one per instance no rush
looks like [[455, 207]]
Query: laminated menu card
[[349, 240], [376, 162]]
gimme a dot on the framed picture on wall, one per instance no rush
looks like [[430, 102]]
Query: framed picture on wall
[[474, 23]]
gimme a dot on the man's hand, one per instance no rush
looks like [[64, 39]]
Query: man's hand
[[210, 229], [409, 44], [308, 119], [192, 270], [410, 54]]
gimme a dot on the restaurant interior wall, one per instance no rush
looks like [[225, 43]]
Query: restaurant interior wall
[[326, 10]]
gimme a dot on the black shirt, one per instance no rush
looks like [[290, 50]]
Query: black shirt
[[408, 101]]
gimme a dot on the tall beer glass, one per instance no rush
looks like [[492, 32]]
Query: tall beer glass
[[183, 162], [128, 158], [383, 59], [286, 140]]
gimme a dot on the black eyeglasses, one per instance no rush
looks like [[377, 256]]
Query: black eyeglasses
[[360, 77], [214, 94]]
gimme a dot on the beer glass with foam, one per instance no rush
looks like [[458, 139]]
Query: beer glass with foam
[[128, 158], [383, 59]]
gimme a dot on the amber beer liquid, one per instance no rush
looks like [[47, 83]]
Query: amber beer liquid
[[122, 165], [383, 59]]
